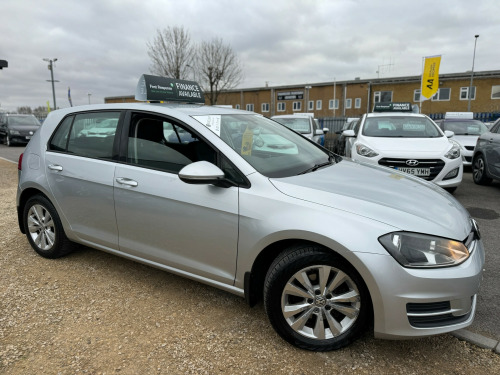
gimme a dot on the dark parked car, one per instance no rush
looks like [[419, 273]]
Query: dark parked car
[[486, 159], [17, 128], [339, 145]]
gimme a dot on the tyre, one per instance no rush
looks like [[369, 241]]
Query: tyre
[[479, 171], [316, 300], [44, 229]]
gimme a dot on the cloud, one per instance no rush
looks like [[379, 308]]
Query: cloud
[[101, 46]]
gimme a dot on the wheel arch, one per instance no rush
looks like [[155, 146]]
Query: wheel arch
[[255, 279], [25, 195]]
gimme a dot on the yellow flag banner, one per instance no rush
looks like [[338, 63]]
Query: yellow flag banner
[[430, 77], [48, 106]]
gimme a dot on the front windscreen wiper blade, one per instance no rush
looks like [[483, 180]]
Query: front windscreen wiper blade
[[318, 166]]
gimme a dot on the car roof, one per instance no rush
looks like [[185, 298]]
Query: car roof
[[395, 114], [172, 109]]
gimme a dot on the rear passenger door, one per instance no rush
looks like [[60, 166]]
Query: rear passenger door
[[191, 228], [80, 164], [493, 150]]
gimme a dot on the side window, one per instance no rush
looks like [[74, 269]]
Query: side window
[[59, 141], [87, 134], [158, 143]]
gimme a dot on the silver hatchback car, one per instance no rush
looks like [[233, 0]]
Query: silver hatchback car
[[240, 202]]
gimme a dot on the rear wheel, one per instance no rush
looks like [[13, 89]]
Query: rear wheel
[[316, 300], [44, 229], [479, 171]]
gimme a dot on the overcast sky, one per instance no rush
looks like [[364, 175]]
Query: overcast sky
[[101, 45]]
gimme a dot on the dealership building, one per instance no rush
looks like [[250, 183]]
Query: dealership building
[[352, 98]]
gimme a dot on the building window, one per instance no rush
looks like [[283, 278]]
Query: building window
[[281, 106], [237, 106], [297, 106], [416, 95], [348, 103], [310, 105], [495, 92], [265, 107], [464, 93], [250, 107], [382, 96], [333, 104], [442, 95], [319, 104], [357, 103]]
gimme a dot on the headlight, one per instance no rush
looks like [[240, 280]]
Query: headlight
[[416, 250], [454, 151], [363, 150], [14, 132]]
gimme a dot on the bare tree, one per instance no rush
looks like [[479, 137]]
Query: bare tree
[[219, 68], [172, 53]]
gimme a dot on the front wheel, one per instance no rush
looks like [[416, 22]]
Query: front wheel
[[44, 229], [8, 142], [479, 171], [316, 300]]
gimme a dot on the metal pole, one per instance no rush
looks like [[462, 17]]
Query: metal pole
[[51, 68], [472, 73]]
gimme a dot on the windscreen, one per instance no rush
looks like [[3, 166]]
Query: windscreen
[[300, 125], [23, 121], [400, 127], [469, 127], [271, 148]]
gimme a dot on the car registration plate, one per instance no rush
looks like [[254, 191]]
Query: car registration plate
[[422, 172]]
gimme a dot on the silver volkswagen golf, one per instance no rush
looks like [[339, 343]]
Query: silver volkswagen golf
[[242, 203]]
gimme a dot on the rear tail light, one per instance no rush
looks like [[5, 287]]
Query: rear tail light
[[20, 163]]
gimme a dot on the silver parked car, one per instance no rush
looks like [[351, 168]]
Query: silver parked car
[[247, 205]]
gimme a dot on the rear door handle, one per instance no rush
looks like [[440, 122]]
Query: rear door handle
[[127, 181], [55, 167]]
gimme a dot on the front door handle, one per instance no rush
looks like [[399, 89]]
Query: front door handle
[[55, 167], [127, 181]]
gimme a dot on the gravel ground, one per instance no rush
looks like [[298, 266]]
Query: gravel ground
[[94, 313]]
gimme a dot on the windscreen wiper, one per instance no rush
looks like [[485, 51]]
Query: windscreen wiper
[[315, 167]]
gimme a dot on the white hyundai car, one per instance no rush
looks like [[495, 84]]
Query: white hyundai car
[[393, 136]]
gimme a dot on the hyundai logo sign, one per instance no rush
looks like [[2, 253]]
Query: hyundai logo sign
[[412, 163]]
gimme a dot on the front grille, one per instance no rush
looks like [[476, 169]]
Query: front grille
[[470, 148], [435, 165], [468, 159]]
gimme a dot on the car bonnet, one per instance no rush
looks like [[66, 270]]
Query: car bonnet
[[405, 146], [382, 194]]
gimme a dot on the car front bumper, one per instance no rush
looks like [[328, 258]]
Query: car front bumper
[[423, 302]]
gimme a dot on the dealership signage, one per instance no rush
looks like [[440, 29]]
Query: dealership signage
[[163, 89], [291, 95]]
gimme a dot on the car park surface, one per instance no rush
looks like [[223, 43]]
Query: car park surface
[[394, 137], [92, 312], [247, 205]]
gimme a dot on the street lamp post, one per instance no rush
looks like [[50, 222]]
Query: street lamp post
[[51, 68], [472, 72]]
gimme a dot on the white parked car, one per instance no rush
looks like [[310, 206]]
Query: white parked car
[[466, 130], [395, 137], [305, 124]]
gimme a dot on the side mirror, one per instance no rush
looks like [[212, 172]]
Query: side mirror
[[348, 133], [201, 173], [449, 133], [318, 132]]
